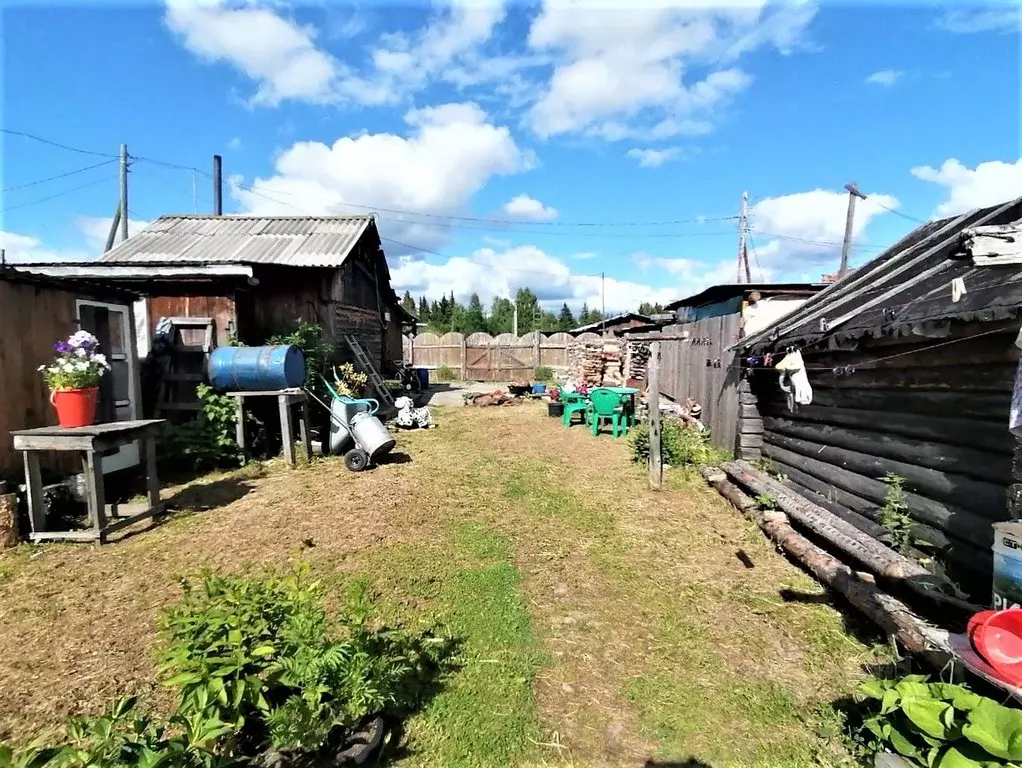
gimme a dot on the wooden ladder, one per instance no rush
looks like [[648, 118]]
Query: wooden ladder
[[188, 365], [366, 365]]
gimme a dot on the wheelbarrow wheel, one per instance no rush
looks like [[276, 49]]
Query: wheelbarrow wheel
[[356, 459]]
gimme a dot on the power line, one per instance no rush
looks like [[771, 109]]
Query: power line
[[897, 213], [864, 246], [58, 176], [57, 144], [53, 197]]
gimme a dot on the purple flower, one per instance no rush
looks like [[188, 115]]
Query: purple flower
[[62, 347]]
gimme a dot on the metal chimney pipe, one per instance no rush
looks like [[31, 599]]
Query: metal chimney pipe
[[218, 186]]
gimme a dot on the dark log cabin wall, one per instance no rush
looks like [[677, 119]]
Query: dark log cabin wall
[[935, 416], [359, 296]]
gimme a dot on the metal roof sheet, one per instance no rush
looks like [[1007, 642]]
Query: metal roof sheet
[[905, 286], [298, 241]]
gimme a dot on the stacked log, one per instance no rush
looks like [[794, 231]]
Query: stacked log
[[8, 519], [612, 359], [585, 359], [637, 355]]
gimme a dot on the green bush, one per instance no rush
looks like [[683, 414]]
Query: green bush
[[679, 446], [939, 725], [317, 349], [209, 442], [544, 373], [444, 373], [257, 665]]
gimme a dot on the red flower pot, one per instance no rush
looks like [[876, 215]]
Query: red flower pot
[[75, 407]]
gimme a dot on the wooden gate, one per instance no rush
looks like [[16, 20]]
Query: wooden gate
[[505, 358], [700, 366]]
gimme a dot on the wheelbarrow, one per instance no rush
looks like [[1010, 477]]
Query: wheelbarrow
[[355, 431]]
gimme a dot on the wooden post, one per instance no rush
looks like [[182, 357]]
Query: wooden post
[[304, 430], [34, 484], [537, 349], [656, 468], [152, 478], [239, 426], [8, 519], [96, 492], [464, 358], [286, 436]]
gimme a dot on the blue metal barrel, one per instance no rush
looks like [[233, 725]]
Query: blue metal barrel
[[256, 369], [423, 374]]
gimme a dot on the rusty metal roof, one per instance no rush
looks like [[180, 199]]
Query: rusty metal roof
[[297, 241]]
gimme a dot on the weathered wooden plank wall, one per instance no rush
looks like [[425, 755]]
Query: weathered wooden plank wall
[[701, 366], [482, 357], [32, 319], [935, 416]]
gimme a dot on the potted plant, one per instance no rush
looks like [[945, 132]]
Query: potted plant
[[73, 379]]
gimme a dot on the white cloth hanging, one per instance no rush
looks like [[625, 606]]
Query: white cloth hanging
[[794, 382]]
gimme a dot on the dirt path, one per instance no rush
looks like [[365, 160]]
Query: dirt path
[[605, 624]]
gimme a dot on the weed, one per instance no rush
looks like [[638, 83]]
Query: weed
[[444, 373], [209, 441], [543, 373], [766, 502], [679, 446], [893, 515], [348, 381], [316, 348]]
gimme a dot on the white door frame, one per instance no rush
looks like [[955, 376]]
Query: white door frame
[[128, 455]]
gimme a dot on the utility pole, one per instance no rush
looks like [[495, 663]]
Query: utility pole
[[195, 196], [514, 320], [218, 186], [3, 257], [846, 246], [124, 192], [743, 253]]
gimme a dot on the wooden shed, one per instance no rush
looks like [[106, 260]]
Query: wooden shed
[[612, 326], [257, 275], [697, 362], [36, 311], [912, 360]]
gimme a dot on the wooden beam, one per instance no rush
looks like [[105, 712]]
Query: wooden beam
[[656, 467], [944, 403]]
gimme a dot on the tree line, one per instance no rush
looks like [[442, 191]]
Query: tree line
[[448, 314]]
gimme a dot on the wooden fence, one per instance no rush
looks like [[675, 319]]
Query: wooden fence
[[701, 367], [482, 357]]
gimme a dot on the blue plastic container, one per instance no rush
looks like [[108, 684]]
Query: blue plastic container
[[256, 369], [423, 374], [538, 389]]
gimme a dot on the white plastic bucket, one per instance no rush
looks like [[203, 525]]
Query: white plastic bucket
[[1007, 565]]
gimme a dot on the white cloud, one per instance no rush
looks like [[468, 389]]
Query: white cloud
[[285, 60], [987, 184], [805, 229], [654, 158], [279, 54], [529, 209], [1006, 20], [491, 273], [886, 77], [449, 154], [91, 230], [624, 71], [234, 143]]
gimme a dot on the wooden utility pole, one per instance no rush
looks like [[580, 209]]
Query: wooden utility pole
[[603, 303], [114, 224], [743, 253], [846, 246], [124, 192], [656, 466]]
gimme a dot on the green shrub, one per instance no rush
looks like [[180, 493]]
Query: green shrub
[[317, 349], [544, 373], [256, 664], [209, 442], [679, 446], [940, 725], [444, 373]]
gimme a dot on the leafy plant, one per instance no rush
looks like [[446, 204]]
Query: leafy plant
[[348, 381], [209, 442], [543, 373], [893, 515], [317, 349], [766, 502], [679, 445], [444, 373], [262, 655], [939, 725]]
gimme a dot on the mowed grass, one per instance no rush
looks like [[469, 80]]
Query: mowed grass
[[600, 623]]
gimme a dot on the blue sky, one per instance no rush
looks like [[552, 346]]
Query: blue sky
[[453, 119]]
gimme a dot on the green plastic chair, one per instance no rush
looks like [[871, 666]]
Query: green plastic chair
[[573, 403], [607, 405]]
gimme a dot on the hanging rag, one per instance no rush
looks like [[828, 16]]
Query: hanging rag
[[794, 382], [1015, 412], [957, 289]]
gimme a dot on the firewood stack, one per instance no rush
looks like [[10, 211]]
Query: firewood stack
[[638, 359], [596, 363]]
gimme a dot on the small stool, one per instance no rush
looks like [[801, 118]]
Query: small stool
[[285, 399]]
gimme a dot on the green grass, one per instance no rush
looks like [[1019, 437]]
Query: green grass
[[468, 584]]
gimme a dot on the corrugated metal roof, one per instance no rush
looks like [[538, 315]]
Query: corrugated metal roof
[[905, 287], [297, 241]]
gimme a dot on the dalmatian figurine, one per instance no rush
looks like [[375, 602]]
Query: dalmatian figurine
[[409, 417]]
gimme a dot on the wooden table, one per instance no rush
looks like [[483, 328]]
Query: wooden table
[[89, 441], [285, 399]]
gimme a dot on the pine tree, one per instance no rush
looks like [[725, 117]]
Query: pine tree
[[565, 320], [408, 303], [528, 310], [501, 316], [423, 310], [471, 318], [585, 317]]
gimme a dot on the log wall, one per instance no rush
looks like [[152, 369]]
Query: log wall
[[936, 416]]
